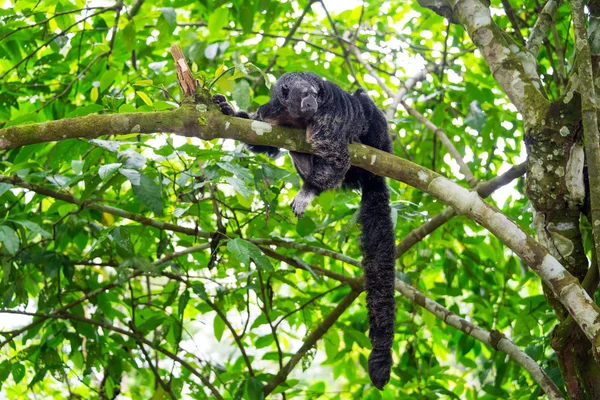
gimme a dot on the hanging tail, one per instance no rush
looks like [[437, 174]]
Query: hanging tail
[[379, 256]]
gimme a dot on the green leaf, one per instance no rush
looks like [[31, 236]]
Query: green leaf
[[254, 389], [68, 269], [132, 159], [107, 171], [107, 79], [129, 35], [241, 94], [239, 249], [218, 19], [35, 228], [237, 170], [4, 187], [247, 9], [265, 78], [199, 290], [5, 369], [145, 98], [169, 14], [218, 327], [183, 301], [263, 341], [85, 110], [122, 238], [18, 372], [238, 185], [9, 238], [41, 373], [305, 226], [245, 251], [149, 194]]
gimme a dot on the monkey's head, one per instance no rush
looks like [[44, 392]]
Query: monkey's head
[[299, 93]]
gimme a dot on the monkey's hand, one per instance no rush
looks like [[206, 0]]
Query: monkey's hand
[[226, 108], [301, 201]]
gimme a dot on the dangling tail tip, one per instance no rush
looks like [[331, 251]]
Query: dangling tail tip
[[380, 365]]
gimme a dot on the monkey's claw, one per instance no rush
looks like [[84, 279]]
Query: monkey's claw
[[298, 207], [301, 201], [221, 101]]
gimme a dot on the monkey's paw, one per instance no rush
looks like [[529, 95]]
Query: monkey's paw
[[221, 101], [301, 201]]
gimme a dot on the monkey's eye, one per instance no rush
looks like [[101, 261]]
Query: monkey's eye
[[285, 91]]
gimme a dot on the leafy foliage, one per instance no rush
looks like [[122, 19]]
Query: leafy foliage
[[104, 251]]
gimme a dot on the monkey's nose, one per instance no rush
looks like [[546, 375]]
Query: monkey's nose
[[308, 104]]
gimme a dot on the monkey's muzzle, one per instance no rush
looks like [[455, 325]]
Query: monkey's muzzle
[[308, 106]]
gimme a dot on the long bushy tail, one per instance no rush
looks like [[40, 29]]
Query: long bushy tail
[[379, 255]]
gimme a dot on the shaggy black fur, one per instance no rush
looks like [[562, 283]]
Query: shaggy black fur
[[333, 118]]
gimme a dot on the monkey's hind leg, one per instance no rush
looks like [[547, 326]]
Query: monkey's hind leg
[[327, 172]]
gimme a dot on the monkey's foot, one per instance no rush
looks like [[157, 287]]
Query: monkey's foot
[[301, 201], [221, 101]]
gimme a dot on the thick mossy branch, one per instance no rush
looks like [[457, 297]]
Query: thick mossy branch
[[207, 124]]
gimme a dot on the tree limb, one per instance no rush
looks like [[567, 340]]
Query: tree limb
[[589, 111], [495, 339], [212, 124], [541, 26]]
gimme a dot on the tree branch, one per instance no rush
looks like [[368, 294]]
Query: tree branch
[[211, 124], [289, 36], [484, 189], [145, 341], [439, 132], [589, 111], [312, 339], [15, 180], [513, 68], [514, 19], [495, 339], [236, 337], [541, 26]]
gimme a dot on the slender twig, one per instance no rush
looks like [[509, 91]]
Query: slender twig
[[514, 20], [306, 304], [439, 132], [111, 44], [285, 42], [70, 84], [145, 341], [72, 304], [495, 339], [54, 15], [134, 9], [311, 340], [371, 72], [166, 387], [236, 337], [306, 248], [66, 30], [353, 282], [265, 310], [15, 180], [484, 189], [341, 43]]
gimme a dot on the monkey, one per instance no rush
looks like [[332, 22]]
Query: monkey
[[333, 118]]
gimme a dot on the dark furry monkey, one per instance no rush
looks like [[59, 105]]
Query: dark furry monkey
[[333, 118]]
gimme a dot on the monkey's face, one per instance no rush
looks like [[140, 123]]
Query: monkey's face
[[299, 94]]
